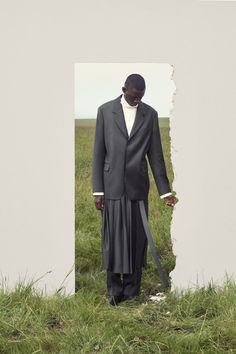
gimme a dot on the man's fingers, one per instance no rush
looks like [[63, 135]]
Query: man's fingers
[[171, 201], [99, 202]]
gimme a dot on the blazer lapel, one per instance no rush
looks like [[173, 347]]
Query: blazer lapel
[[120, 119], [139, 119], [119, 116]]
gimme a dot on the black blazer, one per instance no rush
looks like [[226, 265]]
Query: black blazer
[[119, 161]]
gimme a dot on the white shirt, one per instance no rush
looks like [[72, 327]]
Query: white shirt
[[129, 114]]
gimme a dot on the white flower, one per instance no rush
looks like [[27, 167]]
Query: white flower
[[158, 297]]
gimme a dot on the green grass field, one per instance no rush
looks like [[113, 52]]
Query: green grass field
[[185, 322]]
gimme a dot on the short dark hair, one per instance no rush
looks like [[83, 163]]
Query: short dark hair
[[136, 81]]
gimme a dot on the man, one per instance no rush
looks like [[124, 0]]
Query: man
[[126, 131]]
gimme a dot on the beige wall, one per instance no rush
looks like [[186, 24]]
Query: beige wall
[[41, 42]]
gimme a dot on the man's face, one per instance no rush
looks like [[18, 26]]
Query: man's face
[[132, 95]]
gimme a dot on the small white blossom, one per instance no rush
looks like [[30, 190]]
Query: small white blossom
[[158, 297]]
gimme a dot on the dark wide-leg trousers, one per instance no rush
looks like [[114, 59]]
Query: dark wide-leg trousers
[[124, 245], [124, 284]]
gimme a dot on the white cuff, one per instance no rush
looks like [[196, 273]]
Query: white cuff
[[165, 195], [98, 193]]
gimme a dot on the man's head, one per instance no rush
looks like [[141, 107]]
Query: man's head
[[134, 89]]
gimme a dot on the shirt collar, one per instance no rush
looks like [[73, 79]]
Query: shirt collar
[[126, 104]]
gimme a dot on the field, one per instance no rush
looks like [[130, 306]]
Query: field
[[183, 323], [88, 219]]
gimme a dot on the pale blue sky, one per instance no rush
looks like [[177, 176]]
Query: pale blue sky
[[97, 83]]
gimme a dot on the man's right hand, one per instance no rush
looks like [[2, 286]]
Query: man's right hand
[[99, 201]]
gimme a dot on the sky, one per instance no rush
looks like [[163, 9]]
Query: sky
[[97, 83]]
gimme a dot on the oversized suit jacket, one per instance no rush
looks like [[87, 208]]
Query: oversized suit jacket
[[119, 160]]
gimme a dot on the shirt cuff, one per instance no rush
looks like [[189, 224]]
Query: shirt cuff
[[165, 195], [98, 193]]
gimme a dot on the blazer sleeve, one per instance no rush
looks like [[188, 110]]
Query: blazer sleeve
[[98, 154], [156, 159]]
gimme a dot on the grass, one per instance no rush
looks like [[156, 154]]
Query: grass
[[203, 321]]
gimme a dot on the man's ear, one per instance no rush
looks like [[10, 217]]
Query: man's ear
[[123, 89]]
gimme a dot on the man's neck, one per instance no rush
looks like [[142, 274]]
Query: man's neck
[[123, 96]]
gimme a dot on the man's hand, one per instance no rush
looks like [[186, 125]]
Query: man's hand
[[170, 200], [99, 201]]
